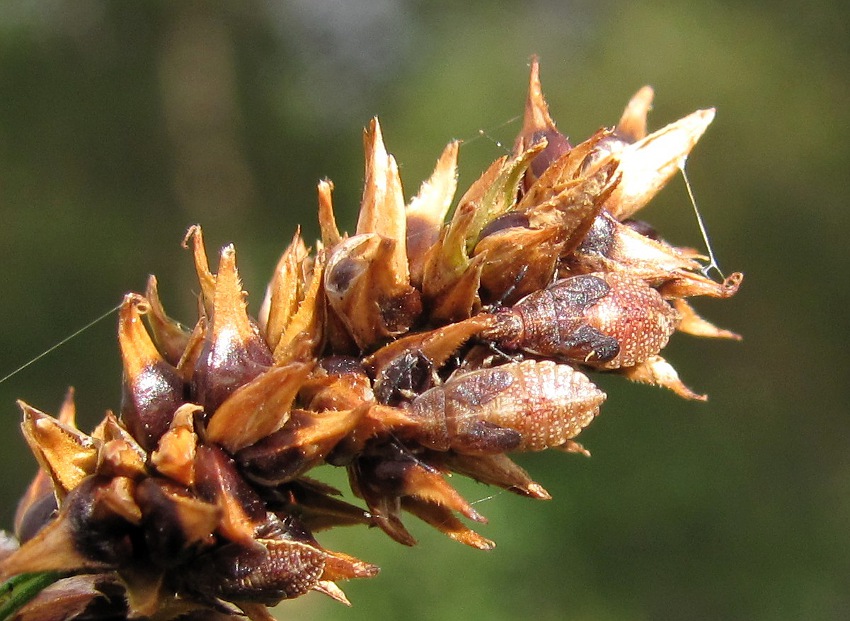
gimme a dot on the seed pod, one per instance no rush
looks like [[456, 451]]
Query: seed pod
[[258, 408], [392, 478], [234, 353], [367, 280], [34, 514], [175, 522], [518, 260], [492, 470], [612, 246], [153, 389], [449, 277], [364, 292], [217, 481], [86, 535], [303, 442], [569, 205]]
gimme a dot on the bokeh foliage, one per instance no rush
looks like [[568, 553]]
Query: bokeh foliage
[[121, 124]]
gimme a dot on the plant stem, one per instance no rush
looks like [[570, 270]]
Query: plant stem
[[20, 589]]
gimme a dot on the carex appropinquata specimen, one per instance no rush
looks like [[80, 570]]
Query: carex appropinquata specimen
[[408, 350]]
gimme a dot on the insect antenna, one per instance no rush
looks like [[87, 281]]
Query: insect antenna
[[510, 290]]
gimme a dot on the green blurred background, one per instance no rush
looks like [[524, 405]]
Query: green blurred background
[[123, 123]]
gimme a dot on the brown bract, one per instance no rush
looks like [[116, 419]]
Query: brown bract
[[410, 350]]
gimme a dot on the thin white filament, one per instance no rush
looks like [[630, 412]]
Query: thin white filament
[[712, 265], [60, 343]]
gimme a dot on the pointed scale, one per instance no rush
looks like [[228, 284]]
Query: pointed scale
[[174, 456], [119, 454], [327, 221], [234, 353], [382, 206], [298, 446], [519, 260], [692, 323], [426, 483], [338, 383], [538, 126], [38, 502], [378, 491], [194, 347], [656, 371], [258, 408], [341, 566], [632, 125], [329, 588], [447, 262], [153, 389], [169, 335], [612, 246], [461, 300], [492, 470], [647, 165], [446, 522], [367, 278], [284, 291], [572, 209], [66, 454], [427, 211], [363, 292], [493, 194], [202, 267], [687, 284], [396, 479], [318, 508], [304, 334]]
